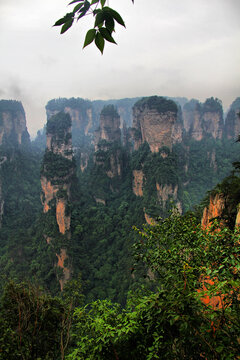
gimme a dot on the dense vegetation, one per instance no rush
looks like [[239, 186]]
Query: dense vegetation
[[158, 103], [174, 321], [139, 294]]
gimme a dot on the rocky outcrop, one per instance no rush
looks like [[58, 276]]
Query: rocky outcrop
[[1, 204], [149, 219], [109, 127], [238, 216], [108, 153], [57, 171], [213, 210], [61, 263], [155, 122], [138, 178], [232, 123], [13, 129], [80, 111], [168, 192], [200, 120]]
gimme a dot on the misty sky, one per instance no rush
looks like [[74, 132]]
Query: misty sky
[[185, 48]]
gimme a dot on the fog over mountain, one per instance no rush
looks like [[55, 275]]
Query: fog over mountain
[[169, 48]]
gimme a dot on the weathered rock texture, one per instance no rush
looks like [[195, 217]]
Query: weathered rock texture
[[138, 178], [168, 192], [1, 204], [107, 142], [238, 216], [155, 122], [109, 127], [202, 120], [232, 124], [80, 111], [214, 209], [13, 129], [57, 171]]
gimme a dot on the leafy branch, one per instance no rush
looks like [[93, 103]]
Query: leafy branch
[[104, 23]]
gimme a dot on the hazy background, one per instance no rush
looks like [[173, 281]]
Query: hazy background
[[170, 47]]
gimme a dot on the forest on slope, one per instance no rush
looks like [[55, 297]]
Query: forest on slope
[[106, 168]]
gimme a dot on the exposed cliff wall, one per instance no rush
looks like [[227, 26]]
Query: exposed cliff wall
[[1, 204], [232, 124], [214, 209], [13, 129], [80, 111], [155, 122], [202, 120], [56, 176], [166, 193], [108, 152], [109, 127], [138, 177]]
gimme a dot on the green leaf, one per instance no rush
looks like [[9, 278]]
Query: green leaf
[[99, 19], [60, 22], [103, 2], [99, 41], [66, 26], [115, 15], [106, 35], [94, 2], [90, 36], [78, 7], [63, 20], [109, 23], [74, 1]]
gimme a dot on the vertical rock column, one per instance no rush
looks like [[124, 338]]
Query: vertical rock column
[[57, 172]]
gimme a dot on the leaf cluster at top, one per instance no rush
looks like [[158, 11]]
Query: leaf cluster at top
[[158, 103], [104, 25]]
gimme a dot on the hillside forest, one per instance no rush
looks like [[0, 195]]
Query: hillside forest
[[119, 230]]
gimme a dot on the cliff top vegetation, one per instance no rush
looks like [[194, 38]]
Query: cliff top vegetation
[[74, 103], [11, 105], [213, 105], [59, 123], [158, 103], [109, 110]]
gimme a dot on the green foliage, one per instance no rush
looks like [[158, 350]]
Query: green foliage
[[57, 168], [59, 124], [104, 25], [73, 103], [212, 105], [11, 105], [110, 110], [31, 323], [158, 103], [173, 322]]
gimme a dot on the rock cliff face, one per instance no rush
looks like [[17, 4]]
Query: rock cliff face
[[80, 111], [166, 193], [238, 216], [155, 121], [204, 119], [13, 130], [107, 142], [232, 124], [56, 176], [1, 204], [109, 128], [13, 134], [213, 210], [138, 177]]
